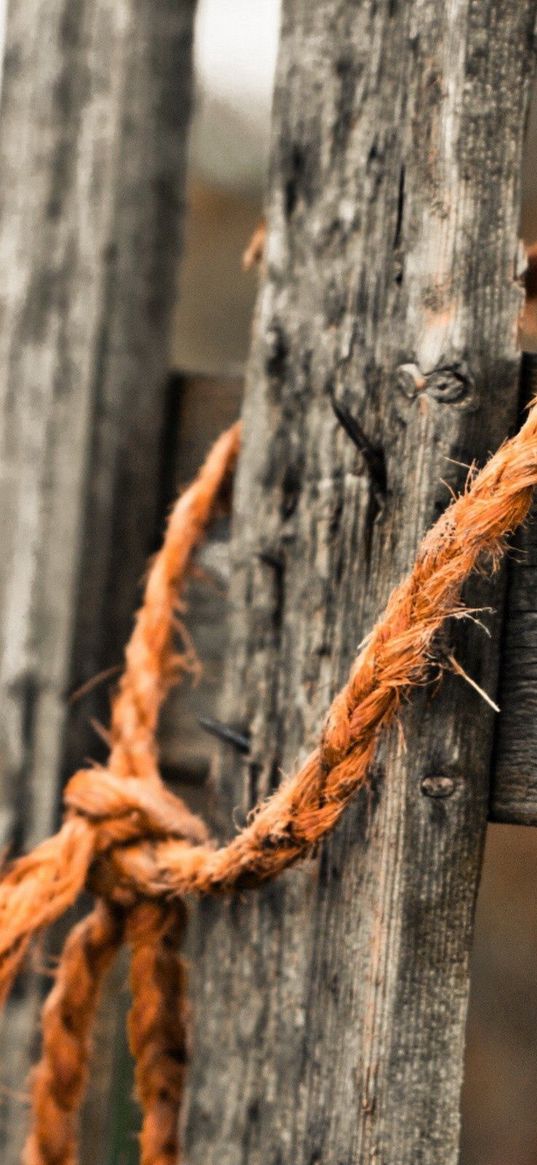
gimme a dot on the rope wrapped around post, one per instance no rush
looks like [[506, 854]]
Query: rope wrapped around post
[[140, 850]]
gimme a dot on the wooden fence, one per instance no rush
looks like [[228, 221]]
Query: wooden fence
[[331, 1007]]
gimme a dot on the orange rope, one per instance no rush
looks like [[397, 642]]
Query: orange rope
[[130, 840], [158, 1025], [67, 1019]]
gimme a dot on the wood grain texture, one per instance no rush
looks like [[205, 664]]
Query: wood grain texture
[[95, 109], [331, 1006]]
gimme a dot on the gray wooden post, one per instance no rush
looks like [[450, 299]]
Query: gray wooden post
[[331, 1006], [94, 115]]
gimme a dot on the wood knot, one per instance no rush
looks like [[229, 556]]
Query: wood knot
[[449, 383]]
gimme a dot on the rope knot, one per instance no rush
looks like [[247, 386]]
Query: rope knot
[[128, 809]]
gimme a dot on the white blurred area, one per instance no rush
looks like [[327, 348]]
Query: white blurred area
[[235, 52], [3, 14], [234, 56]]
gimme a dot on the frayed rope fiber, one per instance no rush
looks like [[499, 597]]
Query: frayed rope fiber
[[140, 850]]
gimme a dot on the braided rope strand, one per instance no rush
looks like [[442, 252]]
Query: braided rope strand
[[67, 1020], [158, 1025], [150, 665]]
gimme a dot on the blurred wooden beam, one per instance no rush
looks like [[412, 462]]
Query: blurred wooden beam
[[204, 405], [95, 109]]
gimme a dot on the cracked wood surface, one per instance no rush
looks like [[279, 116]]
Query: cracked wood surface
[[331, 1006]]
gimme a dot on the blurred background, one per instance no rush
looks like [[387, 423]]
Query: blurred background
[[235, 52]]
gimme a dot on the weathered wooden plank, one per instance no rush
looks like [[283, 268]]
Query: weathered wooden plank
[[514, 787], [94, 113], [514, 792], [331, 1006]]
